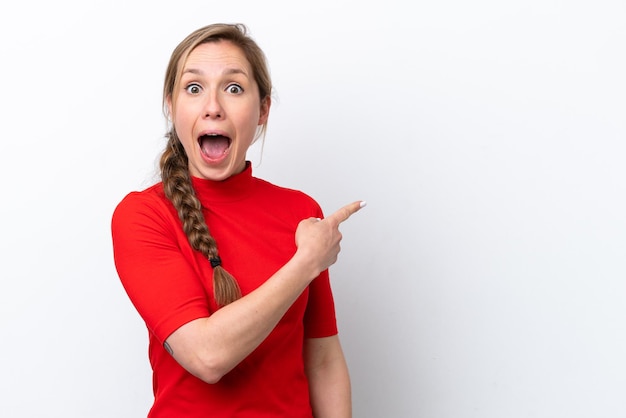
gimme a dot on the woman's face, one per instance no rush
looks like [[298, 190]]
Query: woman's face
[[216, 110]]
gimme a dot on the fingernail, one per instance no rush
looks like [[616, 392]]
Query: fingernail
[[363, 204]]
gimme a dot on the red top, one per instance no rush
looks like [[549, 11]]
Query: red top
[[170, 284]]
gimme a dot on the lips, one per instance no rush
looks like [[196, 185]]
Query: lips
[[214, 146]]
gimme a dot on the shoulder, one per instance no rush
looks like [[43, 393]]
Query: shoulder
[[288, 197], [152, 196], [138, 205]]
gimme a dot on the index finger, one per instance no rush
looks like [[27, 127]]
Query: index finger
[[345, 212]]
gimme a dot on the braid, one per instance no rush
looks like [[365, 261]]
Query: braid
[[178, 189]]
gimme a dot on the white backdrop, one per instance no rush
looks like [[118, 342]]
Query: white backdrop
[[485, 278]]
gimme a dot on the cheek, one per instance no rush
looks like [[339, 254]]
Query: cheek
[[183, 114], [184, 133], [183, 124]]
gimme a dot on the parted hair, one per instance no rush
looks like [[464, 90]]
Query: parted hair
[[173, 163]]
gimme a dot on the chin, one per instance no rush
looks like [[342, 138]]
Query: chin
[[218, 173]]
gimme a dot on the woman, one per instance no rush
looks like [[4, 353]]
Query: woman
[[228, 271]]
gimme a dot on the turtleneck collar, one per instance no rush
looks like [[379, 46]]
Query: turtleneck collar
[[233, 188]]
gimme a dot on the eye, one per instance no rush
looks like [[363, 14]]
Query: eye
[[193, 88], [234, 89]]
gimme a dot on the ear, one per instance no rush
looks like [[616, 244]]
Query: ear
[[265, 110]]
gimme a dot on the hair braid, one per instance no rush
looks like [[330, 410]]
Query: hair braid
[[179, 190]]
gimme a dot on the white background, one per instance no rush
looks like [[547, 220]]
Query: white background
[[486, 276]]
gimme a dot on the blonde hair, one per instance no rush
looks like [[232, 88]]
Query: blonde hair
[[174, 161]]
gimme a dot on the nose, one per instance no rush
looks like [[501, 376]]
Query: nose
[[213, 108]]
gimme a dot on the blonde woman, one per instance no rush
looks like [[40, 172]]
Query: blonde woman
[[228, 271]]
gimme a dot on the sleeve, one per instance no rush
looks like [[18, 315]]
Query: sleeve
[[320, 318], [154, 269]]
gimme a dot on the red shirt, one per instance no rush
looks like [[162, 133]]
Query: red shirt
[[170, 284]]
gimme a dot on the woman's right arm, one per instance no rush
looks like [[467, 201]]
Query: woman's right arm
[[212, 346]]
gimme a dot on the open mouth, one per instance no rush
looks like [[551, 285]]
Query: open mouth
[[214, 146]]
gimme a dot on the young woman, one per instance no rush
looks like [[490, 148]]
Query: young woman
[[228, 271]]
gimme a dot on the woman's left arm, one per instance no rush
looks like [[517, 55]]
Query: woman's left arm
[[329, 380]]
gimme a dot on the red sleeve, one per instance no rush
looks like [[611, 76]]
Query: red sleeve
[[319, 318], [153, 265]]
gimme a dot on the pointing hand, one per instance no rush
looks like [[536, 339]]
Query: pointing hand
[[318, 239]]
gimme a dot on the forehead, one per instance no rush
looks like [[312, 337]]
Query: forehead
[[217, 55]]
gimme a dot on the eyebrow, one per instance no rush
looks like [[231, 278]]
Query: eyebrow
[[229, 71]]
